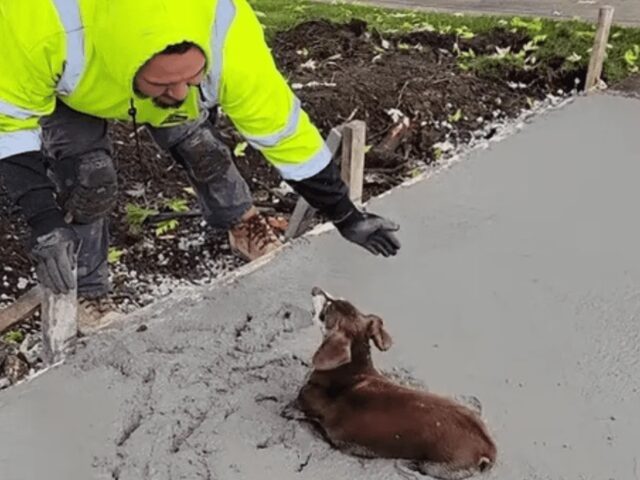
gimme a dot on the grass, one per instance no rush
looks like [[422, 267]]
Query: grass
[[570, 40]]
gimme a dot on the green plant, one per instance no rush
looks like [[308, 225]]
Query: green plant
[[574, 58], [532, 26], [13, 336], [464, 57], [175, 205], [464, 32], [240, 148], [631, 58], [136, 216], [455, 117], [166, 226], [190, 191], [114, 255]]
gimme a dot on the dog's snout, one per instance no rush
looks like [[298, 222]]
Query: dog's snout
[[319, 301]]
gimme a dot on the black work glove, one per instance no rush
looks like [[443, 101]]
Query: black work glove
[[55, 254], [370, 231], [53, 243]]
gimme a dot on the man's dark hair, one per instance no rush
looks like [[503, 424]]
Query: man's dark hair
[[182, 47]]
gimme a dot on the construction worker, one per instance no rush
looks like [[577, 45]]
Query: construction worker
[[68, 66]]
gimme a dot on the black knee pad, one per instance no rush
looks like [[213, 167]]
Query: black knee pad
[[93, 193], [203, 155]]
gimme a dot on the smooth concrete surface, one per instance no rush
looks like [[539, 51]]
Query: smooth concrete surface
[[627, 12], [518, 282]]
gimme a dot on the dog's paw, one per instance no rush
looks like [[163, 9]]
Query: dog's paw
[[291, 411]]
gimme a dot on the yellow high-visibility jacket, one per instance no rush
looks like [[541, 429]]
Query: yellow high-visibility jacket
[[85, 53]]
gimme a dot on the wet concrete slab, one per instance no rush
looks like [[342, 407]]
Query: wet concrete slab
[[518, 282]]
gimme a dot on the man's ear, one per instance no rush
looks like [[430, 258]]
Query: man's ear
[[380, 336], [334, 352]]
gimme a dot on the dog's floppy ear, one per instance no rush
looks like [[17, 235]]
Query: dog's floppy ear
[[334, 352], [380, 336]]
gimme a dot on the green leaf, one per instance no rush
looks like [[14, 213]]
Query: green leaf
[[456, 117], [631, 56], [136, 215], [534, 25], [574, 58], [539, 39], [114, 255], [427, 27], [585, 34], [13, 336], [177, 205], [166, 226], [240, 148], [464, 32]]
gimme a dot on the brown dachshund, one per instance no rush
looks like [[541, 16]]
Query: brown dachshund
[[363, 413]]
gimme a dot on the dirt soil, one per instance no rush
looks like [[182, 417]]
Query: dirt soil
[[340, 72]]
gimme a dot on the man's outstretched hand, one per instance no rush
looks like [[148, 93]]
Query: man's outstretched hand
[[370, 231]]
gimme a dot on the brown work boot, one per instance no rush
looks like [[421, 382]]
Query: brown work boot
[[253, 237], [96, 313]]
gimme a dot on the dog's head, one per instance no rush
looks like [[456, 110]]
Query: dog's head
[[343, 326]]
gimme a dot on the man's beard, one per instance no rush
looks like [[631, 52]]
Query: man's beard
[[158, 103]]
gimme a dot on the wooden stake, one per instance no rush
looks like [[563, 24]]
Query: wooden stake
[[599, 52], [303, 213], [353, 146], [59, 324], [22, 308], [300, 218]]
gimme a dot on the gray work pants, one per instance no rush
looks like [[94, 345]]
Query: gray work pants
[[71, 137]]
